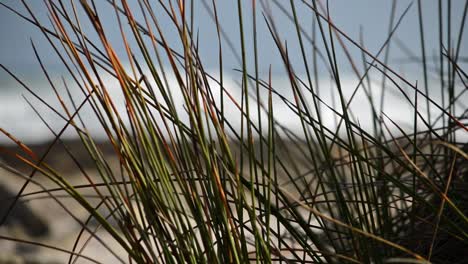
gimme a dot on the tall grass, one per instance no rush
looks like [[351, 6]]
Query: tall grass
[[193, 186]]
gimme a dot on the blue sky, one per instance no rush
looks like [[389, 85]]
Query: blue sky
[[350, 16]]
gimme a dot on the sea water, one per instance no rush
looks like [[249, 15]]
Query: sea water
[[21, 119]]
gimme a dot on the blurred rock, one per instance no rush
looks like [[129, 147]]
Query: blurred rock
[[21, 214]]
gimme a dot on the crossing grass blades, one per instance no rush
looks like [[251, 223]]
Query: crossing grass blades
[[199, 186]]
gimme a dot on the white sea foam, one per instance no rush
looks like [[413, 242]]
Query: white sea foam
[[19, 119]]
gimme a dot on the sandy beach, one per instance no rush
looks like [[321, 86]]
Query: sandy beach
[[60, 216], [53, 222]]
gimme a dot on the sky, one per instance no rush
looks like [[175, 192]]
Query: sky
[[372, 16]]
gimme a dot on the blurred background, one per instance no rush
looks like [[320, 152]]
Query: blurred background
[[365, 21]]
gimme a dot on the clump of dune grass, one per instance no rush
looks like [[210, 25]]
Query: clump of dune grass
[[192, 186]]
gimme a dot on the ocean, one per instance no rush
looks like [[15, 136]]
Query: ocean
[[19, 118]]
